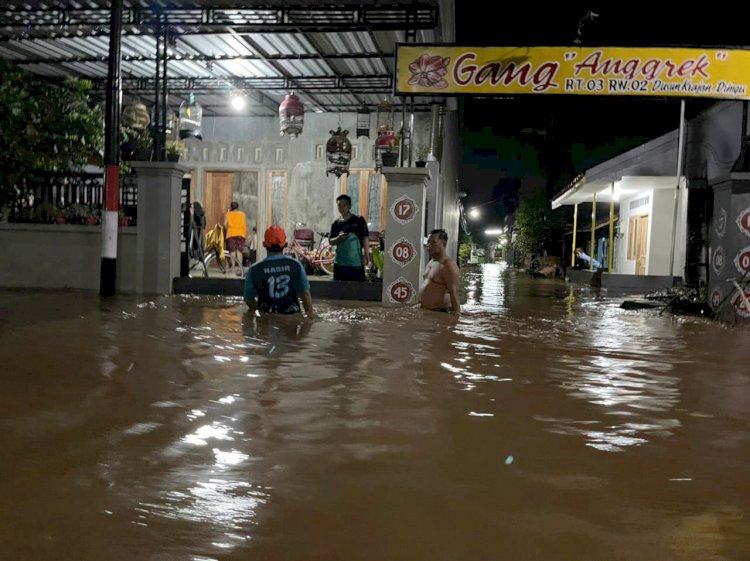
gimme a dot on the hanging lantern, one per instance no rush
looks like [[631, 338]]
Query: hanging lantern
[[338, 153], [173, 119], [384, 116], [135, 115], [291, 115], [191, 116], [363, 122]]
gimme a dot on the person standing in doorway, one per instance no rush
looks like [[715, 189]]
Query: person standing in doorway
[[235, 226], [440, 287], [350, 236]]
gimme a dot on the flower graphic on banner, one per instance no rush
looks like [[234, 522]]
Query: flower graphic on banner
[[428, 71]]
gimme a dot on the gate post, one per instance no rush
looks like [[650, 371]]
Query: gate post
[[159, 226], [404, 234]]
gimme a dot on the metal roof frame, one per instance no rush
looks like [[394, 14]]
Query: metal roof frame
[[336, 57]]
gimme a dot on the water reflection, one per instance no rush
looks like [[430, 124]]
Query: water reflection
[[185, 428]]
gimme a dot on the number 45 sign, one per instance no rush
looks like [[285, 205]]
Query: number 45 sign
[[401, 291], [404, 209]]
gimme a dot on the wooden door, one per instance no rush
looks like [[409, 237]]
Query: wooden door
[[641, 245], [218, 196]]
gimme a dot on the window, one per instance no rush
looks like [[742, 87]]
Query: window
[[277, 199], [374, 200], [320, 151], [352, 189], [367, 190], [258, 154], [279, 154], [354, 152]]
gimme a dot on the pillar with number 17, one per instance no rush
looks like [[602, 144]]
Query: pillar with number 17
[[404, 234]]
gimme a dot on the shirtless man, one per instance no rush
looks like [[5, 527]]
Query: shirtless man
[[440, 288]]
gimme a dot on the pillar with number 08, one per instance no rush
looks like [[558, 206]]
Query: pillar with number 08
[[404, 232]]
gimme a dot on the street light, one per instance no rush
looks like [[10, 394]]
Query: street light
[[474, 213]]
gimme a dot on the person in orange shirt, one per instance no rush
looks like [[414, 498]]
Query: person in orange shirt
[[235, 225]]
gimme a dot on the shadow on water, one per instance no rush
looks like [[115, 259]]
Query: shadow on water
[[543, 423]]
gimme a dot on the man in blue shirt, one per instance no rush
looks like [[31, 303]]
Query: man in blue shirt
[[350, 236], [278, 281]]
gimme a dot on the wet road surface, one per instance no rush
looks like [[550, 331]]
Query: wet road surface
[[543, 424]]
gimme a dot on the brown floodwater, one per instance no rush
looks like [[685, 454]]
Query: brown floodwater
[[545, 423]]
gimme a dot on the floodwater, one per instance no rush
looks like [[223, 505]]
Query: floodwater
[[543, 424]]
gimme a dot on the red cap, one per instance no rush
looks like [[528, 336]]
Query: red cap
[[275, 235]]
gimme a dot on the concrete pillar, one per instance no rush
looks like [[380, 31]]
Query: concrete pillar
[[729, 237], [404, 234], [159, 226]]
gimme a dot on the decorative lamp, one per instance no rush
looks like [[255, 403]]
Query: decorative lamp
[[338, 153], [136, 116], [363, 122], [173, 119], [291, 115], [191, 116]]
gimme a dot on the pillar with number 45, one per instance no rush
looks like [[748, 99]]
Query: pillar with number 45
[[404, 232]]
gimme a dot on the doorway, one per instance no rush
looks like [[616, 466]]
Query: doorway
[[218, 196], [638, 242]]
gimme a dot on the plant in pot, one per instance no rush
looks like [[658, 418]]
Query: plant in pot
[[45, 213], [137, 144], [176, 150], [60, 216], [122, 218], [423, 151], [387, 144], [79, 213]]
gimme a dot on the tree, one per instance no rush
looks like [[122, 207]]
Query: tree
[[44, 126], [464, 246], [537, 226]]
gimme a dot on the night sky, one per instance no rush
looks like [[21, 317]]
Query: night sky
[[507, 139]]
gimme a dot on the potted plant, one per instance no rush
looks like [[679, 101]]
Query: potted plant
[[387, 144], [176, 150], [122, 218], [137, 144], [78, 213]]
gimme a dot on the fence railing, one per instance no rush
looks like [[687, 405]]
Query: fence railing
[[70, 197]]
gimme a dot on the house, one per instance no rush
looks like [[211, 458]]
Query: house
[[663, 226]]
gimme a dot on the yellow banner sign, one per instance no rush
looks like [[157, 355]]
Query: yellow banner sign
[[446, 70]]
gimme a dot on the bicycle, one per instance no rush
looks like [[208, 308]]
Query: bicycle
[[207, 254], [314, 260]]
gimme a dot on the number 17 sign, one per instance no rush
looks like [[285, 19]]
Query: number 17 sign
[[404, 209]]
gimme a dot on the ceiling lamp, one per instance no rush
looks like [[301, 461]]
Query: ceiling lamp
[[291, 115], [238, 102], [191, 116], [338, 153], [363, 122]]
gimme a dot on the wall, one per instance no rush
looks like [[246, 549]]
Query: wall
[[254, 143], [61, 256], [730, 248], [660, 232], [448, 180]]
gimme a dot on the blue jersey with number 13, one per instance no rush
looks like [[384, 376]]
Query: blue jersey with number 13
[[277, 281]]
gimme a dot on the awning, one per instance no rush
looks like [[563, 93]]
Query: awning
[[582, 191]]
